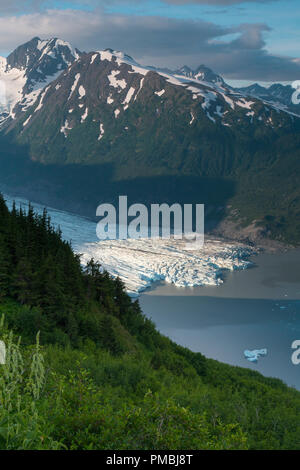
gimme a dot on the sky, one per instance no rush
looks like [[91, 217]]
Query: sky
[[254, 40]]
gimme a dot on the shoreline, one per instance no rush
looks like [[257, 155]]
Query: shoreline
[[254, 309], [166, 264], [226, 231], [269, 278]]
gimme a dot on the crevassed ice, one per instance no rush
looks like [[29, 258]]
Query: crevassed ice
[[141, 262]]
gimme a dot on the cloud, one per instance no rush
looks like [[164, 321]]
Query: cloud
[[14, 6], [237, 52], [215, 2], [26, 6]]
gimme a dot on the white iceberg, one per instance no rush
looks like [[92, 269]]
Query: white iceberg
[[254, 355]]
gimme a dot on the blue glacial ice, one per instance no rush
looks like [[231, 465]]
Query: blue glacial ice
[[254, 355]]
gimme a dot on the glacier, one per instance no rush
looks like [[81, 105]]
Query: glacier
[[141, 262]]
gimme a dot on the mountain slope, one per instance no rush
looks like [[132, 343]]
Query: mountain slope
[[105, 378], [107, 125], [201, 73], [105, 102]]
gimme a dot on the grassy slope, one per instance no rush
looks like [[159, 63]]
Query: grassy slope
[[157, 395]]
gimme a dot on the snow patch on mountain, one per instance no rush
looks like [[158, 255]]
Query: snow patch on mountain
[[66, 127], [208, 96], [27, 121], [114, 82], [52, 48], [129, 95], [244, 103], [94, 57], [85, 115], [101, 131], [42, 96], [81, 92], [74, 86], [141, 86]]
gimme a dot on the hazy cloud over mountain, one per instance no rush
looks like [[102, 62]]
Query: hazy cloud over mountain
[[236, 51]]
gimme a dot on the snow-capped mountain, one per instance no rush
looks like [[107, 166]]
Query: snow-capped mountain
[[85, 124], [101, 89], [277, 94], [32, 75], [28, 69]]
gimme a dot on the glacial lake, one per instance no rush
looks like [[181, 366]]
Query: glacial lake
[[253, 309]]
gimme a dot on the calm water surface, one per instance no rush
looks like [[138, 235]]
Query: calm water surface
[[253, 309]]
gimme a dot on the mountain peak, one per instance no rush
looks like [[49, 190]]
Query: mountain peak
[[206, 74], [201, 73], [30, 67], [187, 71], [27, 54]]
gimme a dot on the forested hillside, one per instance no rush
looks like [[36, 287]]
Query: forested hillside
[[100, 376]]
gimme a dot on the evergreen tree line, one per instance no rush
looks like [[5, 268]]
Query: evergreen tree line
[[68, 302]]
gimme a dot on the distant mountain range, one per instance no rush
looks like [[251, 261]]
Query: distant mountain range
[[277, 95], [79, 128]]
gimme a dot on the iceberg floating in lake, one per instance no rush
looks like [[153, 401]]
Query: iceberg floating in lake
[[254, 355]]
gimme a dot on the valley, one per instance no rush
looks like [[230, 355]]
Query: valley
[[100, 125]]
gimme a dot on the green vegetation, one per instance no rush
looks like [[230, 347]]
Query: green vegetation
[[100, 376]]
